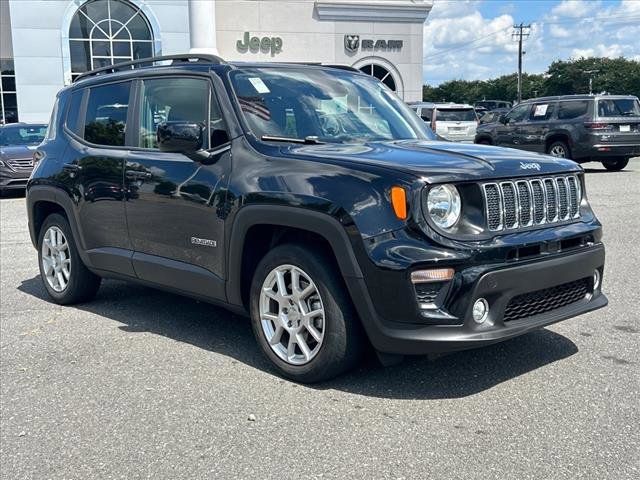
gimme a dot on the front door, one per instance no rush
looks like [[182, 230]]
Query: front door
[[174, 203], [510, 134]]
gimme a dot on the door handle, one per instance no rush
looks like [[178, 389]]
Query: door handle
[[72, 169], [137, 175]]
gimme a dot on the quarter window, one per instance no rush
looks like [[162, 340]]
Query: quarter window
[[73, 112], [572, 109], [106, 118]]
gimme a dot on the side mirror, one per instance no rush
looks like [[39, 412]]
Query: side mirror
[[503, 119], [180, 137]]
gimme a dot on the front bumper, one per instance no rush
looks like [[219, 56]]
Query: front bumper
[[10, 179], [498, 285]]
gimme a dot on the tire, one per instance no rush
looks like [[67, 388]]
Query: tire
[[81, 285], [341, 337], [615, 165], [560, 148], [484, 141]]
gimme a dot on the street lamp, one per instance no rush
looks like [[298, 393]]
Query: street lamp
[[591, 73]]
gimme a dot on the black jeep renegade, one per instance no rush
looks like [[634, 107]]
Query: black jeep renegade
[[313, 199]]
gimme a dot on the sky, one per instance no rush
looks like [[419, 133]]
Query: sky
[[472, 39]]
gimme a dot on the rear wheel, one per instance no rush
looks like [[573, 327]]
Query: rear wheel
[[302, 316], [559, 149], [64, 276], [484, 141], [616, 164]]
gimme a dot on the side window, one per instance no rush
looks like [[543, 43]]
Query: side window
[[179, 100], [572, 109], [426, 114], [542, 111], [518, 114], [73, 112], [106, 118]]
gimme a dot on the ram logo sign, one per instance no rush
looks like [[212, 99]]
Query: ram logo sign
[[352, 43]]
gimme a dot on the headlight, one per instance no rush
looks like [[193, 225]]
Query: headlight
[[443, 204]]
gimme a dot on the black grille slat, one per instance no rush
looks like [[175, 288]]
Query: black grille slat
[[563, 199], [575, 198], [20, 163], [492, 198], [552, 200], [547, 300], [426, 293], [537, 201], [509, 204], [524, 199]]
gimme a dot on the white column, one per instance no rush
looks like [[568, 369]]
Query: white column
[[202, 26]]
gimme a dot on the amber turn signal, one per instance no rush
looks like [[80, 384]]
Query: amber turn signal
[[399, 202]]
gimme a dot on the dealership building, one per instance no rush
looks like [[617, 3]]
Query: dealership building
[[45, 44]]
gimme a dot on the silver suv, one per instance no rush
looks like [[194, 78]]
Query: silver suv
[[453, 121]]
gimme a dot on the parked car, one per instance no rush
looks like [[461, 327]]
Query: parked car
[[453, 121], [17, 143], [312, 199], [493, 104], [585, 128], [493, 116]]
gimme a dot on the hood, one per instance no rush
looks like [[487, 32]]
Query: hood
[[437, 161], [17, 151]]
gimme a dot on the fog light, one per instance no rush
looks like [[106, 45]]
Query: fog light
[[480, 310], [596, 280]]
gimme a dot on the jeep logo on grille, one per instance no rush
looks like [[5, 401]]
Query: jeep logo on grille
[[530, 166]]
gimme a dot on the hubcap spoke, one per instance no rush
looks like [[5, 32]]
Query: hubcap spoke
[[317, 336], [302, 344], [282, 287]]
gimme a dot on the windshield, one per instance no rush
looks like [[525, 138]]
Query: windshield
[[619, 107], [333, 105], [32, 135], [456, 115]]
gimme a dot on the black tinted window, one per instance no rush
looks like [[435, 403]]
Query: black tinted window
[[73, 112], [519, 113], [619, 107], [457, 115], [572, 109], [106, 119]]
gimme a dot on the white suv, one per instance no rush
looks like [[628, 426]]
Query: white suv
[[454, 121]]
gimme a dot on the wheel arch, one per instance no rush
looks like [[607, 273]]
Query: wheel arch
[[260, 227], [557, 137]]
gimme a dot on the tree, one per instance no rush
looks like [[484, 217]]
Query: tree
[[563, 77]]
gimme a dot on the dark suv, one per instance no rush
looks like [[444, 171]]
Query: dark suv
[[313, 199], [599, 128]]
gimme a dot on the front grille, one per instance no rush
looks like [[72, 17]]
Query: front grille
[[510, 205], [20, 163], [542, 301], [427, 293]]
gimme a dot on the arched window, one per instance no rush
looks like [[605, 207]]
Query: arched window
[[104, 32], [380, 73]]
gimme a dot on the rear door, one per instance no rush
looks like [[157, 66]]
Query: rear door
[[534, 132], [174, 202], [98, 119]]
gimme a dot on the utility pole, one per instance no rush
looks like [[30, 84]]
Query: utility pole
[[519, 32], [591, 73]]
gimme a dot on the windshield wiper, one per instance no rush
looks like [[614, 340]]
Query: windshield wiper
[[308, 140]]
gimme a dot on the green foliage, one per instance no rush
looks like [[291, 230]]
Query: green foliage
[[564, 77]]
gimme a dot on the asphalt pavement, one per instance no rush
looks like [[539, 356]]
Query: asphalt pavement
[[145, 384]]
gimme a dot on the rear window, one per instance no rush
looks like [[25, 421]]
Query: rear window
[[106, 118], [31, 135], [619, 107], [456, 115], [572, 109]]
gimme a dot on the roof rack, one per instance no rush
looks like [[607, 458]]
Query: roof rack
[[187, 57]]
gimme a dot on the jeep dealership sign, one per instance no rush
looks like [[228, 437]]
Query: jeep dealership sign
[[257, 44]]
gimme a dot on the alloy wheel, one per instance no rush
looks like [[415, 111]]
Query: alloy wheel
[[292, 315], [558, 151], [56, 259]]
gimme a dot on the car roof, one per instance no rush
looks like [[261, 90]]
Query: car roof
[[23, 124], [444, 106], [576, 97]]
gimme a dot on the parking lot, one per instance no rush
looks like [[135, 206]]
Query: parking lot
[[145, 384]]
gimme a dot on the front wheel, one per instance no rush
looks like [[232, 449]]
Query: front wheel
[[63, 274], [302, 316], [615, 165]]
